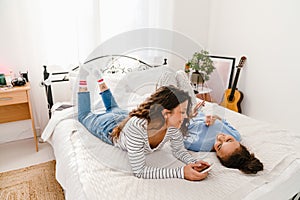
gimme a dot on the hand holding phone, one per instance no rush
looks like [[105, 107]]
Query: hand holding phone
[[203, 167], [207, 169]]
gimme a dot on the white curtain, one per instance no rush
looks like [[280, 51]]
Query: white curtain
[[64, 32], [37, 33], [118, 16]]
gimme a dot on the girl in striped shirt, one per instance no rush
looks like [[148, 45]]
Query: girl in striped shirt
[[144, 130]]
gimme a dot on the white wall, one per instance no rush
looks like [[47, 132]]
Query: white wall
[[267, 32], [191, 18]]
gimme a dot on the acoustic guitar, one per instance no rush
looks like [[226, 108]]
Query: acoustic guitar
[[232, 96]]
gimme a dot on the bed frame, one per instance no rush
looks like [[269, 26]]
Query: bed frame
[[111, 67]]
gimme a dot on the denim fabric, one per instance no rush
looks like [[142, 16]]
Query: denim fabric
[[100, 125]]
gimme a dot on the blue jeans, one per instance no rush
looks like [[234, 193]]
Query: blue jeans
[[100, 125]]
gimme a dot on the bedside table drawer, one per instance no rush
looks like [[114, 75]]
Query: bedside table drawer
[[8, 98]]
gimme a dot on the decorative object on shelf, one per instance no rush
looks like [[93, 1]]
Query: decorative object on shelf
[[197, 77], [202, 65], [20, 81], [2, 80], [8, 79], [187, 68], [25, 75]]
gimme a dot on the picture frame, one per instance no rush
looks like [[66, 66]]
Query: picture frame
[[225, 62], [222, 77]]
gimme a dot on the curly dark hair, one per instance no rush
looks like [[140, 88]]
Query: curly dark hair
[[242, 159], [165, 97]]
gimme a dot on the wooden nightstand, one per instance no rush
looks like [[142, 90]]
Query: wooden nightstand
[[15, 105], [204, 93]]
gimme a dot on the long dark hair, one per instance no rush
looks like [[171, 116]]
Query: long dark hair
[[165, 97], [243, 160]]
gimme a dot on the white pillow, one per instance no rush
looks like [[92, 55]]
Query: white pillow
[[131, 89], [144, 82]]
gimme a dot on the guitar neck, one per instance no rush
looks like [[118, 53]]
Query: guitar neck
[[234, 84]]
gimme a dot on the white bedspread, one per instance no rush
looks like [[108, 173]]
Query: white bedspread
[[90, 169]]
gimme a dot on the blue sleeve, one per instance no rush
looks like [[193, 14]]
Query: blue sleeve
[[231, 130]]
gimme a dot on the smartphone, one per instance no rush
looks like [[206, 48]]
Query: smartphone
[[207, 169]]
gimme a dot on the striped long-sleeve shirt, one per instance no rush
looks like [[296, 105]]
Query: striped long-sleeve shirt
[[134, 140]]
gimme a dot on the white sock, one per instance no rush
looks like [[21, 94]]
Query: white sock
[[83, 73], [98, 75], [82, 77], [100, 81]]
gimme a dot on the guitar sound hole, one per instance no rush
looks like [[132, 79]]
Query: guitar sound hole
[[228, 99]]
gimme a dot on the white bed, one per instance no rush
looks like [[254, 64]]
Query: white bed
[[87, 168]]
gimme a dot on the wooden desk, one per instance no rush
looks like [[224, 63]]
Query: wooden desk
[[15, 105]]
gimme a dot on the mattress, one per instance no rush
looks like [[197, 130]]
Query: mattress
[[87, 168]]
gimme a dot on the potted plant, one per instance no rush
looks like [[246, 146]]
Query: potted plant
[[202, 65]]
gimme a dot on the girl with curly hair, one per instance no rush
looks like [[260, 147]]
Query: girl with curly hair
[[212, 133], [143, 130]]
